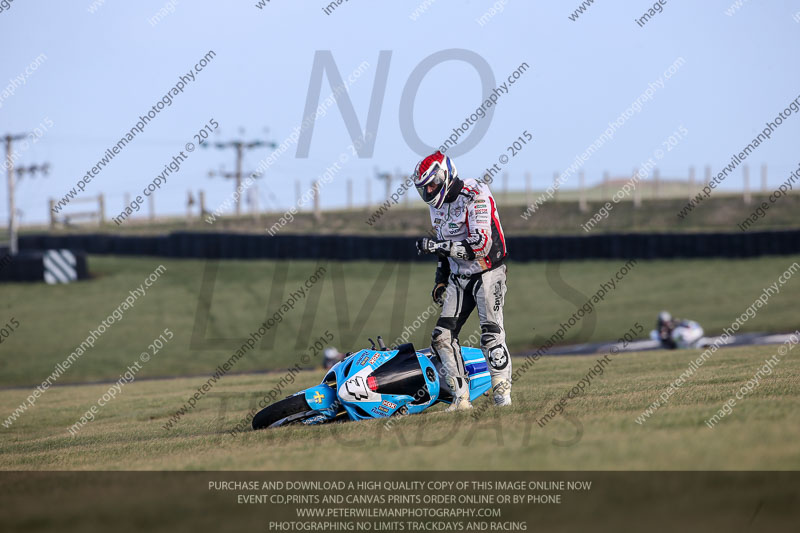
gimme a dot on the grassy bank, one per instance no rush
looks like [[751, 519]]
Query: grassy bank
[[598, 431], [351, 301]]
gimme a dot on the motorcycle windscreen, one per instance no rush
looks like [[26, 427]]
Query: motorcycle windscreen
[[402, 374]]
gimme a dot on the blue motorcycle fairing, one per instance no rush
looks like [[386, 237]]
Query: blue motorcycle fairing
[[480, 380], [432, 380], [354, 394], [361, 402], [322, 398]]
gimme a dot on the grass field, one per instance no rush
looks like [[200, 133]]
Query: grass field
[[354, 300], [600, 432], [351, 301]]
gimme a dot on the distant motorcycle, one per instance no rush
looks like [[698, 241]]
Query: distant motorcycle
[[376, 383], [686, 334]]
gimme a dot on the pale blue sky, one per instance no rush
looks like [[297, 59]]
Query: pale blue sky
[[105, 69]]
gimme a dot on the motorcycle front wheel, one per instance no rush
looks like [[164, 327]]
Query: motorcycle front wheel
[[287, 411]]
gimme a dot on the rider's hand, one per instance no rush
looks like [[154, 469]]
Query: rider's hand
[[438, 293], [425, 246], [431, 246]]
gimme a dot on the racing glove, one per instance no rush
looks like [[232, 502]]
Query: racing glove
[[438, 294], [459, 249], [432, 246]]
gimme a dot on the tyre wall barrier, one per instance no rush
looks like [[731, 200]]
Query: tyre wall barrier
[[30, 265], [401, 248]]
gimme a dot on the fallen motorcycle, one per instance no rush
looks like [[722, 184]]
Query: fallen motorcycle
[[376, 383]]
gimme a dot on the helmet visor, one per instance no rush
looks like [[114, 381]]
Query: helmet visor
[[430, 191]]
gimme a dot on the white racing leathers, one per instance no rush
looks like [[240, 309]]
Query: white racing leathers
[[475, 277]]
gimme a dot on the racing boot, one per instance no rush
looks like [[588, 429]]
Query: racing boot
[[461, 401], [501, 391]]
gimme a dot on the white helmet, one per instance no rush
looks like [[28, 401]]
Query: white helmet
[[437, 169]]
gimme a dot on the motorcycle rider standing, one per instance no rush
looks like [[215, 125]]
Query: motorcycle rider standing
[[471, 273]]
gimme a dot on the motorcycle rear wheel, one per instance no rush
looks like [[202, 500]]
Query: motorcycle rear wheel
[[287, 411]]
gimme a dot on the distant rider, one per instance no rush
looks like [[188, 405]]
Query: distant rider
[[664, 326], [331, 356], [471, 272], [691, 334]]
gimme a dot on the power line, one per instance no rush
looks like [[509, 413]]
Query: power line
[[239, 146], [11, 157]]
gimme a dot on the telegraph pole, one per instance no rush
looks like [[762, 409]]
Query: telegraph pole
[[239, 146], [12, 209], [12, 219], [387, 177]]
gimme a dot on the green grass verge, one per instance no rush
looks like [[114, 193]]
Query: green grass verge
[[352, 301], [599, 433]]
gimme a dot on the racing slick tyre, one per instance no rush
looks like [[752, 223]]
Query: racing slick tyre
[[287, 411]]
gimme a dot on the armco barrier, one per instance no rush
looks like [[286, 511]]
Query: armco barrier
[[394, 248]]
